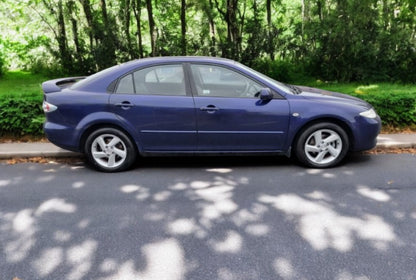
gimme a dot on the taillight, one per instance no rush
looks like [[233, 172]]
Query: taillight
[[48, 107]]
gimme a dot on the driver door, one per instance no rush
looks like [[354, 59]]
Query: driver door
[[231, 117]]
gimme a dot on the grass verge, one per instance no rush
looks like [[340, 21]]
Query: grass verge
[[17, 84]]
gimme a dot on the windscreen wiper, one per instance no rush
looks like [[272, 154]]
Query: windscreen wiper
[[294, 89]]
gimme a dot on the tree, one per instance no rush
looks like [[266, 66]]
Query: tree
[[331, 39], [152, 28]]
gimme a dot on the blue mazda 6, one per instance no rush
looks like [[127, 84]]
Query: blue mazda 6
[[199, 106]]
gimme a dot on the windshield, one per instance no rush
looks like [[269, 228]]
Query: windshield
[[277, 84]]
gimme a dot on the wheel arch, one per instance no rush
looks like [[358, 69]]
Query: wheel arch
[[97, 126], [336, 121]]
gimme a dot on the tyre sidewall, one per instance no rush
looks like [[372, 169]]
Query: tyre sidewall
[[130, 149], [304, 135]]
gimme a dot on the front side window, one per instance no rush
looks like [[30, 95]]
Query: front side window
[[156, 80], [217, 81]]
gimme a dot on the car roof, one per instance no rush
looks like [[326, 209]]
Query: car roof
[[100, 81], [170, 59]]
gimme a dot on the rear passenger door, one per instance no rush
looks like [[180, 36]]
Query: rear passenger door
[[157, 102]]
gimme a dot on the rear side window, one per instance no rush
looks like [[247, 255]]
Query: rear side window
[[126, 85], [156, 80]]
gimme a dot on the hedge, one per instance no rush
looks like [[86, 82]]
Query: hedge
[[396, 110], [21, 116], [24, 115]]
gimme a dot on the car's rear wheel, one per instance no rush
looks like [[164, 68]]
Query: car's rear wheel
[[110, 150], [322, 145]]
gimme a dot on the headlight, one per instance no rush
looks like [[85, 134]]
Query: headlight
[[371, 114]]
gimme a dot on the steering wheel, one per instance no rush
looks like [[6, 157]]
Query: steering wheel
[[245, 91]]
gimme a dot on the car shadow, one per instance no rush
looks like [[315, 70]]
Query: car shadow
[[212, 161], [235, 161]]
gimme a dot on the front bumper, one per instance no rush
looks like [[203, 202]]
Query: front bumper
[[365, 134]]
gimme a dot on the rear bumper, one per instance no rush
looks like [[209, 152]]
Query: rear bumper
[[61, 136]]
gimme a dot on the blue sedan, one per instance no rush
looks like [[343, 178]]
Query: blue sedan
[[198, 106]]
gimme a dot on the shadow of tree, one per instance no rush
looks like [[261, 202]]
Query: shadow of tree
[[197, 218]]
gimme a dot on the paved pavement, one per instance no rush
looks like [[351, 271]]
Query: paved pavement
[[40, 149]]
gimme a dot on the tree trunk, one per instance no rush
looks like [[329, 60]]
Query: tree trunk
[[62, 42], [229, 15], [90, 21], [305, 15], [137, 7], [74, 24], [127, 11], [152, 30], [183, 27], [213, 51], [109, 39], [270, 45]]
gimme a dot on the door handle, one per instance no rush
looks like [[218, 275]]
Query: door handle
[[209, 109], [124, 105]]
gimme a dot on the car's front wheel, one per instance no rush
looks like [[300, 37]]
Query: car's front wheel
[[110, 150], [322, 145]]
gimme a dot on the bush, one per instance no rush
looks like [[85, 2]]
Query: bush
[[394, 109], [280, 70], [21, 116], [2, 64]]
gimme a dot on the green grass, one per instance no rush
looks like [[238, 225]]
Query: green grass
[[358, 89], [20, 83]]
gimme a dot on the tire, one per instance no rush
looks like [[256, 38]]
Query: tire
[[322, 145], [110, 150]]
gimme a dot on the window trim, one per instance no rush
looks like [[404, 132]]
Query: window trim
[[188, 65], [114, 84]]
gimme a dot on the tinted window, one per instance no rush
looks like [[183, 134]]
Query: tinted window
[[126, 85], [222, 82], [156, 80]]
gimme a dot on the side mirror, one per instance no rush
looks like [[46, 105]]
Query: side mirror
[[266, 94]]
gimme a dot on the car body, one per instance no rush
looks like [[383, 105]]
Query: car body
[[197, 106]]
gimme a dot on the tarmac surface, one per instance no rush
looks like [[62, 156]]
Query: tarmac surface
[[42, 149]]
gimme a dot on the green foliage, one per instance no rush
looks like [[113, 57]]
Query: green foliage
[[21, 116], [394, 109], [2, 60], [21, 103], [1, 65], [348, 40], [395, 103], [280, 70], [21, 84]]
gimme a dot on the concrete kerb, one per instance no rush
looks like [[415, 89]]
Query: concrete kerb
[[396, 141], [33, 149]]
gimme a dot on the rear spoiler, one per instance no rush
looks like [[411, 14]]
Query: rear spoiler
[[59, 84]]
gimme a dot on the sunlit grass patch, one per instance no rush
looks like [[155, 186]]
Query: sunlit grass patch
[[366, 89], [21, 83]]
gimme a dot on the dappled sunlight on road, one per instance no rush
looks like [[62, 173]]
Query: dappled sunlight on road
[[55, 205], [378, 195], [164, 260], [21, 237], [22, 227], [284, 268], [231, 242], [324, 228]]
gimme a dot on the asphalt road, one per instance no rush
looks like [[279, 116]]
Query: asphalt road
[[210, 218]]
